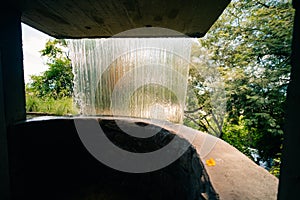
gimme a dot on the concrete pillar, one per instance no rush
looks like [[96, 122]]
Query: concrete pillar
[[12, 95], [289, 181]]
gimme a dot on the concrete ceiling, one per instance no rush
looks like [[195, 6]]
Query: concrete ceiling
[[105, 18]]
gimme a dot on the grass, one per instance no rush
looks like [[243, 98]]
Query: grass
[[50, 106]]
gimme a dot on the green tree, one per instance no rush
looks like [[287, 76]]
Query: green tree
[[206, 100], [250, 45], [57, 81]]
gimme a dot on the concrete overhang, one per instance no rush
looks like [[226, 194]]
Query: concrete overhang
[[106, 18]]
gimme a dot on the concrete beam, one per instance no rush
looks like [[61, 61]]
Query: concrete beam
[[105, 18], [289, 183], [12, 95], [12, 66], [4, 172]]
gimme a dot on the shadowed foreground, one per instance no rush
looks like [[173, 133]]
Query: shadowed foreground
[[49, 161]]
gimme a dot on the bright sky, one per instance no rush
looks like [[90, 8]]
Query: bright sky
[[33, 42]]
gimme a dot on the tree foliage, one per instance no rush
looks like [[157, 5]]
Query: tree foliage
[[57, 81], [250, 45], [205, 106]]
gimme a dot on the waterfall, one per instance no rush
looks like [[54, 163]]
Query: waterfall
[[135, 77]]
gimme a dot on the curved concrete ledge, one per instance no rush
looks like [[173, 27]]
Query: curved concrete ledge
[[49, 161], [234, 176], [48, 157]]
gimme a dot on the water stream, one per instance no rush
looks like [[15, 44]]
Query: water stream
[[135, 77]]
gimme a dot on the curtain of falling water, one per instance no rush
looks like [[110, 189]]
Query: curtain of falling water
[[136, 77]]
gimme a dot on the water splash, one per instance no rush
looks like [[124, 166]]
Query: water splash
[[136, 77]]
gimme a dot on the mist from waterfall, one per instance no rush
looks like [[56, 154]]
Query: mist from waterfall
[[134, 77]]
